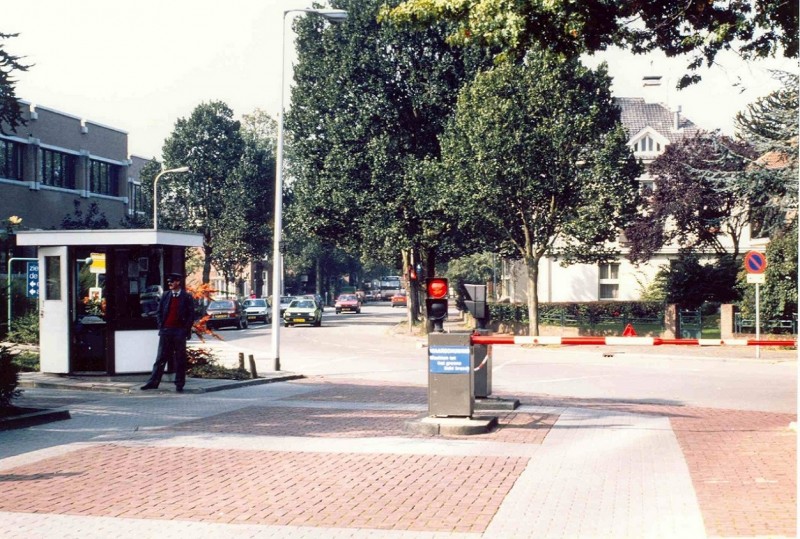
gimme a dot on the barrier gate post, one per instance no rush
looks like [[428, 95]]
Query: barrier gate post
[[483, 376], [450, 375]]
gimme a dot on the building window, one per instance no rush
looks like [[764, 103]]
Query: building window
[[10, 160], [609, 281], [135, 198], [647, 144], [58, 169], [101, 178]]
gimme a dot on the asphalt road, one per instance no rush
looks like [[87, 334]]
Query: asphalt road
[[371, 346]]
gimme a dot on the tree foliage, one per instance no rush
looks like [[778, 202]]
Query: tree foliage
[[701, 28], [689, 283], [537, 164], [210, 144], [90, 219], [778, 294], [10, 112], [770, 125], [700, 197], [368, 105]]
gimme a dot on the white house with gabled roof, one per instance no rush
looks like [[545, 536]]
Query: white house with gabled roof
[[651, 127]]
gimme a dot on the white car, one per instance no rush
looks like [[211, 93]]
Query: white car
[[257, 309]]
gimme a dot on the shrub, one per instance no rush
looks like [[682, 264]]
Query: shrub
[[9, 378], [27, 361], [25, 329], [201, 363]]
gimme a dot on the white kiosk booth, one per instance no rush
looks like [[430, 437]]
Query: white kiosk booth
[[98, 295]]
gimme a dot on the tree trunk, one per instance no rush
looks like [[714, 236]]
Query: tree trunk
[[206, 260], [430, 271], [532, 264]]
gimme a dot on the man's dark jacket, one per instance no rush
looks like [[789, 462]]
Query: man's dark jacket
[[185, 311]]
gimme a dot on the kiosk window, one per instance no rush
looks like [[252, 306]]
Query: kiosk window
[[52, 272]]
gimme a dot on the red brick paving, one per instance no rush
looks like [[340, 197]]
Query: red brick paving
[[381, 491], [743, 464]]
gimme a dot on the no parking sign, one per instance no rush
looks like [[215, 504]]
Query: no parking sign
[[755, 264]]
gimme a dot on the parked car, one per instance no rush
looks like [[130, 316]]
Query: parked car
[[303, 311], [349, 303], [399, 300], [285, 301], [257, 309], [225, 313]]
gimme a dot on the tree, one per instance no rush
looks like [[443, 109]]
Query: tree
[[770, 126], [210, 143], [537, 161], [368, 106], [778, 294], [698, 27], [10, 111], [700, 196], [91, 219]]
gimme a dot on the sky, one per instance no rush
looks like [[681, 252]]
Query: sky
[[140, 66]]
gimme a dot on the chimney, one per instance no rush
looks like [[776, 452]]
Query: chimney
[[676, 119], [651, 88]]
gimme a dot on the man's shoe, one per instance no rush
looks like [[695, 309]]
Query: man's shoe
[[149, 386], [179, 389]]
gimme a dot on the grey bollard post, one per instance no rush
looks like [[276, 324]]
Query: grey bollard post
[[241, 361], [253, 372]]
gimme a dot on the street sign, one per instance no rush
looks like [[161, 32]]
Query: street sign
[[756, 278], [33, 280], [755, 262]]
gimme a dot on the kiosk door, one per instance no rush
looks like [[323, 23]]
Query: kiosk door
[[54, 331]]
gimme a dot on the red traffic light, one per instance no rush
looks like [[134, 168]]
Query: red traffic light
[[437, 288]]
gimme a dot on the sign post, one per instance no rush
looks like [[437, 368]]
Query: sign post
[[755, 264]]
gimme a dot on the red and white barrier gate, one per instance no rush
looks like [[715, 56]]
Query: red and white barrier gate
[[625, 341]]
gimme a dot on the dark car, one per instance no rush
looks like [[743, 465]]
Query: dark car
[[226, 313]]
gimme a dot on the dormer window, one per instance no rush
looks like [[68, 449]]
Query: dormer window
[[647, 144]]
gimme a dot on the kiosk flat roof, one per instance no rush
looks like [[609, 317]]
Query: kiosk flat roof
[[126, 236]]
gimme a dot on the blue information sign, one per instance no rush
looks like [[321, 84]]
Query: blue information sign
[[33, 279], [448, 359]]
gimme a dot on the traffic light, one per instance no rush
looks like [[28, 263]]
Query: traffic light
[[436, 302]]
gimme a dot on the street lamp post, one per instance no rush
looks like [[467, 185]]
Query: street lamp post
[[334, 16], [155, 192]]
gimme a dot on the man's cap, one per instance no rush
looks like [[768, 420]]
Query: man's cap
[[174, 277]]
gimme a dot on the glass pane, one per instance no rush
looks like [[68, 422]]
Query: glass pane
[[52, 272]]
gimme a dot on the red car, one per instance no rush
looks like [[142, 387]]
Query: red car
[[348, 302], [399, 300]]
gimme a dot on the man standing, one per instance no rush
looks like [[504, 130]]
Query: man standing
[[175, 319]]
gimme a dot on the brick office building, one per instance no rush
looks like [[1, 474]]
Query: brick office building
[[56, 159]]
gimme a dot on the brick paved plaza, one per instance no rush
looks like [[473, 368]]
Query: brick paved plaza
[[333, 458]]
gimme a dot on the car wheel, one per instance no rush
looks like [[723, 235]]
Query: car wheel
[[245, 324], [338, 311], [358, 311], [239, 324], [286, 324], [318, 323]]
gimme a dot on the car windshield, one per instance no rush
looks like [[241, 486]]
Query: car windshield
[[221, 305], [286, 299], [302, 304], [255, 303], [347, 297]]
